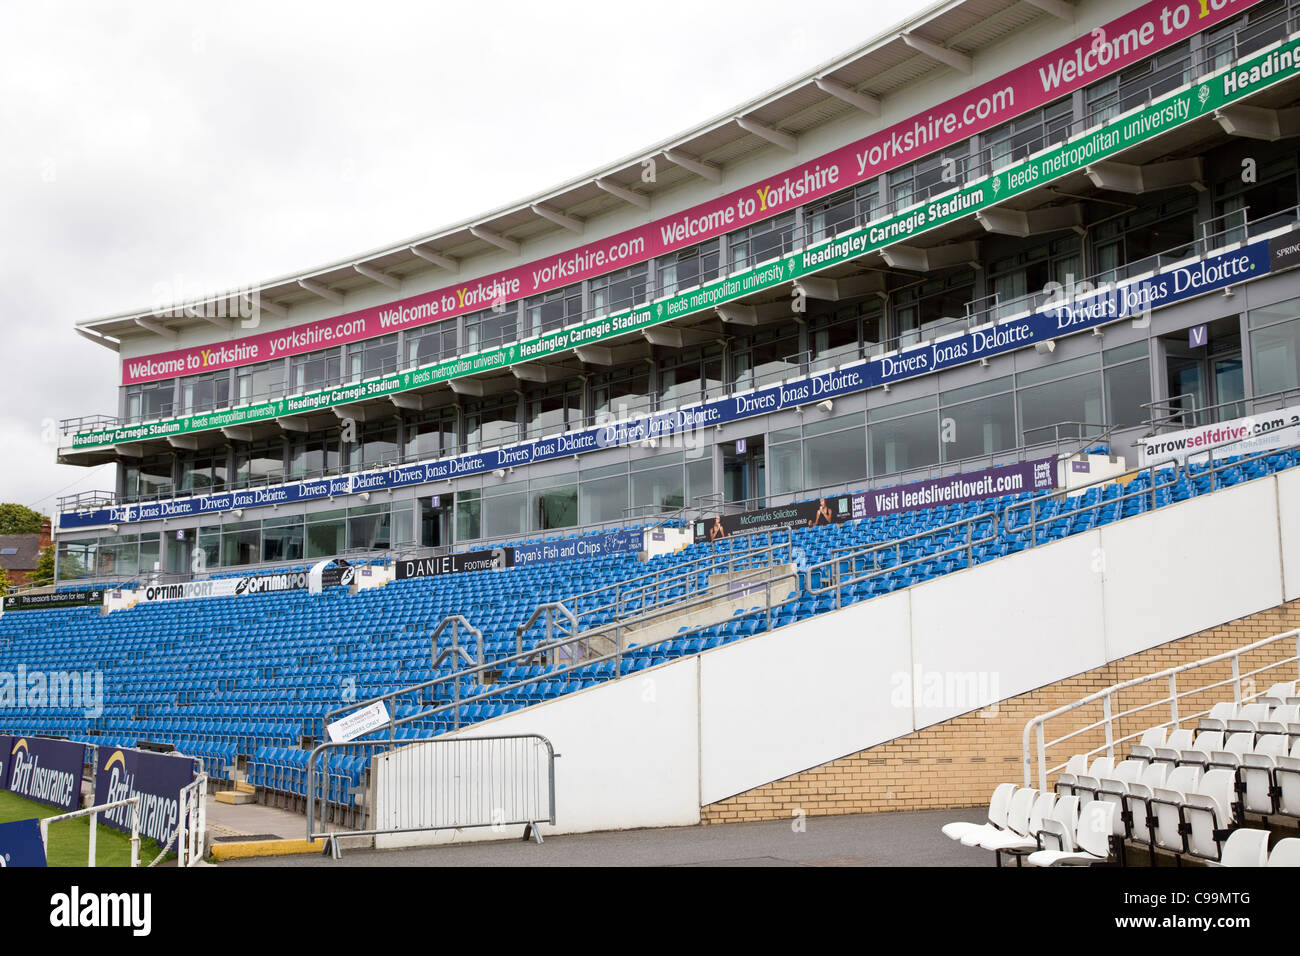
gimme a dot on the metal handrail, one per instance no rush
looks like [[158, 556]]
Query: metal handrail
[[1035, 726], [1171, 415], [618, 629], [1036, 503]]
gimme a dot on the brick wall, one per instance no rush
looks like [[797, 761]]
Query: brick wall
[[959, 762]]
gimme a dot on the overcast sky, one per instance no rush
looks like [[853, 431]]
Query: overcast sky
[[201, 146]]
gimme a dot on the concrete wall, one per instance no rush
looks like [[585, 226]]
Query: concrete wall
[[651, 749]]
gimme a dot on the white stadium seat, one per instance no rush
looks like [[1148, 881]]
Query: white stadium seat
[[1286, 853], [1209, 814], [997, 816], [1092, 839], [1017, 823], [1246, 847]]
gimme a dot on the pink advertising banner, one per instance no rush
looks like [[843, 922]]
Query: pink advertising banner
[[1102, 51]]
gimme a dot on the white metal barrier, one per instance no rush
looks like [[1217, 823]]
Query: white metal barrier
[[1035, 743], [93, 813]]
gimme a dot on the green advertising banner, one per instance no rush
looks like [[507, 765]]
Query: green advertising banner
[[1227, 86]]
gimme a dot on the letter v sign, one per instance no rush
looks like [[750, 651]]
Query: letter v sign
[[1196, 336]]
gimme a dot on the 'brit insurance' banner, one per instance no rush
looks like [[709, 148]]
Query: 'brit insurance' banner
[[157, 778], [47, 771]]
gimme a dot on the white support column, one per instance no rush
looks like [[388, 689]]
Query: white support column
[[437, 258], [322, 290], [375, 275], [710, 171], [570, 223]]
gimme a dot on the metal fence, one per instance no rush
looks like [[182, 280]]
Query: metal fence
[[440, 783], [1165, 699]]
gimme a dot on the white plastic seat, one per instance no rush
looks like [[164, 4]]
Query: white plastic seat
[[1245, 847], [1218, 717], [1228, 757], [1256, 775], [1018, 845], [1177, 741], [1278, 693], [1145, 749], [1017, 819], [1113, 789], [1209, 814], [1286, 777], [1092, 839], [1285, 853], [1167, 808], [1198, 754], [1066, 779], [997, 815], [1087, 785]]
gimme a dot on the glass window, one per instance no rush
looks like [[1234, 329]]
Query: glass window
[[835, 458], [902, 444], [315, 370], [491, 422], [785, 467], [688, 267], [241, 543], [203, 393], [376, 445], [505, 510], [766, 356], [430, 344], [260, 462], [368, 528], [554, 310], [1025, 135], [314, 455], [555, 507], [259, 382], [554, 408], [618, 290], [616, 395], [78, 559], [372, 357], [977, 428], [151, 477], [1128, 388], [691, 376], [489, 328], [1073, 400], [150, 400], [282, 539], [469, 513], [1275, 355], [326, 534], [602, 498], [431, 435], [204, 471], [848, 334], [934, 307], [846, 209], [761, 241]]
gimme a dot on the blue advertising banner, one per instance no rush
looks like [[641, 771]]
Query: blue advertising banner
[[6, 745], [157, 778], [1130, 300], [47, 771], [20, 844], [576, 549]]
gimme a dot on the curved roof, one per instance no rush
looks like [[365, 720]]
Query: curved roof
[[942, 37]]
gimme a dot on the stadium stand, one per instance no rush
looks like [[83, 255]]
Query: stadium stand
[[247, 682]]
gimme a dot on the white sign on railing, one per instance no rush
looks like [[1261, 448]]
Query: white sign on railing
[[358, 722]]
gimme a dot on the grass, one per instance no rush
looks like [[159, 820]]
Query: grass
[[69, 843]]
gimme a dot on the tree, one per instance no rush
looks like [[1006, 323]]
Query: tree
[[4, 581], [44, 571], [19, 519]]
